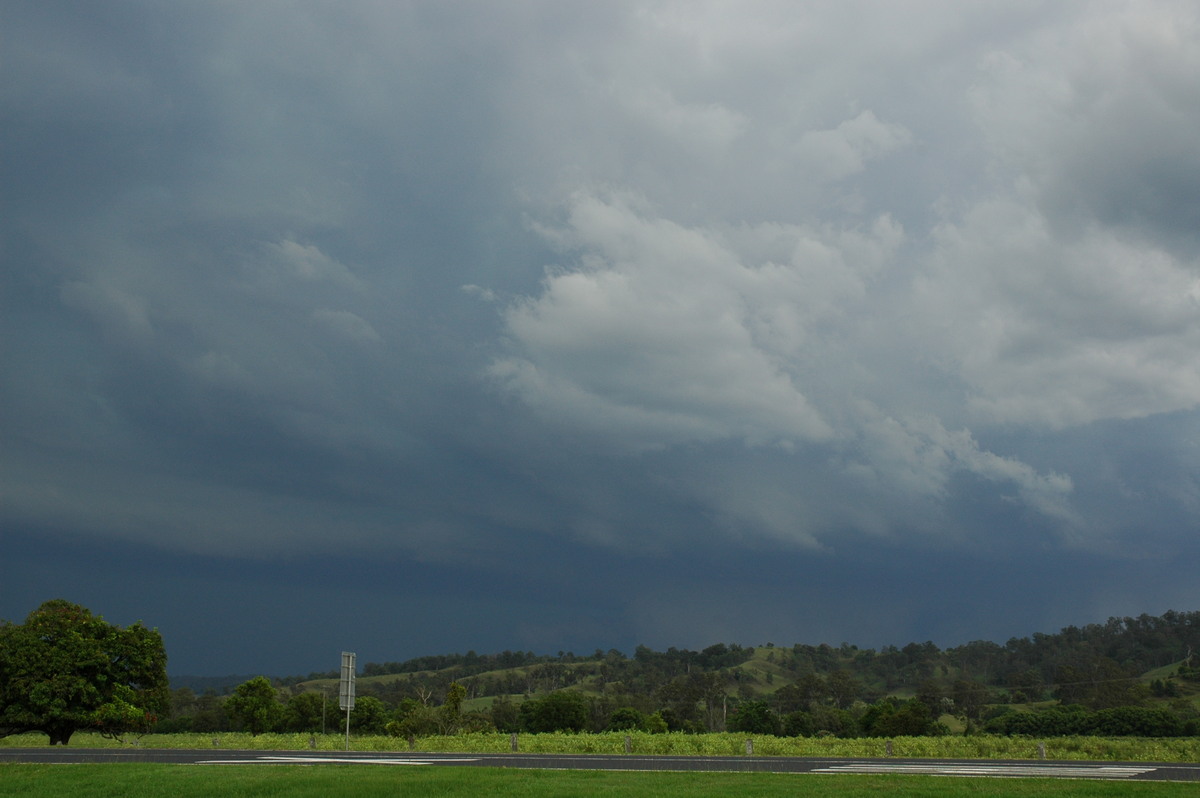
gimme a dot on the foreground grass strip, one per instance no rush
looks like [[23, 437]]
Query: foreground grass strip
[[1109, 749], [141, 780]]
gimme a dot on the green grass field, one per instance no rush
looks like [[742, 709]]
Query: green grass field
[[359, 781], [1111, 749]]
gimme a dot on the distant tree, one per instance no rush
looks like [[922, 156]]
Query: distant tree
[[835, 722], [1028, 682], [802, 694], [414, 719], [451, 709], [211, 714], [505, 715], [306, 712], [908, 719], [626, 718], [564, 710], [184, 705], [798, 724], [65, 669], [369, 716], [970, 697], [843, 688], [755, 717], [1098, 683], [933, 694], [255, 707], [655, 723]]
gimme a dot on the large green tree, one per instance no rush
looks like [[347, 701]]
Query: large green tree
[[562, 710], [255, 706], [307, 712], [66, 669]]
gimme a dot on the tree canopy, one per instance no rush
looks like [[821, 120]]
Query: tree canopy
[[66, 669], [255, 706]]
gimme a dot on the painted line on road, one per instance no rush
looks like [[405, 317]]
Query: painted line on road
[[1030, 771], [326, 760]]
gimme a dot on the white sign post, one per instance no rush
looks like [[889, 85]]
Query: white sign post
[[346, 689]]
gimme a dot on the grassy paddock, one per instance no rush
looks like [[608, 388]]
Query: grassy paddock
[[1113, 749], [357, 781]]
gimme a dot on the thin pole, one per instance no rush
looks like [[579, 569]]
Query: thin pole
[[347, 728]]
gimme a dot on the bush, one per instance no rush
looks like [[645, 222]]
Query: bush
[[1074, 720], [1136, 722], [755, 717], [626, 718], [563, 710], [798, 724]]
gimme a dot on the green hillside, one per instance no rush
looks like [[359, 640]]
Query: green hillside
[[1140, 666]]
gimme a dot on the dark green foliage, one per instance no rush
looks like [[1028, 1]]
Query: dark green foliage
[[369, 716], [65, 669], [467, 664], [255, 707], [821, 690], [843, 688], [1099, 683], [505, 715], [802, 694], [798, 724], [564, 710], [414, 719], [755, 717], [626, 718], [1073, 720], [309, 712], [969, 697], [832, 722], [1188, 672], [1167, 689], [908, 719], [1136, 722]]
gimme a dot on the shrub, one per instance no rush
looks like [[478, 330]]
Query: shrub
[[563, 710]]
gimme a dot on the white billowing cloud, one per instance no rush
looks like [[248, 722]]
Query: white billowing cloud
[[1098, 117], [663, 335], [348, 325], [918, 456], [708, 127], [1061, 330], [666, 334], [307, 263], [845, 150], [1072, 293]]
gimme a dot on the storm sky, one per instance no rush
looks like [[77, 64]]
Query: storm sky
[[414, 328]]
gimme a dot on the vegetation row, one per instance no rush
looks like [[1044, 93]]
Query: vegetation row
[[65, 670]]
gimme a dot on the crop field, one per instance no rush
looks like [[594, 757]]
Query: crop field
[[1113, 749], [360, 781]]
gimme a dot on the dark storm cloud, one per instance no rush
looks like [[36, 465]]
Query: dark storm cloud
[[582, 327]]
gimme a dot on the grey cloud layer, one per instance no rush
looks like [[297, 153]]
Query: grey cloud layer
[[785, 276]]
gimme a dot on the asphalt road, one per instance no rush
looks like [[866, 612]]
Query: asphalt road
[[1131, 771]]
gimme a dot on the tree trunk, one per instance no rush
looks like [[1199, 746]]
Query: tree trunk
[[60, 734]]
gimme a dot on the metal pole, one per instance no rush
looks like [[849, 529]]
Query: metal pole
[[346, 689]]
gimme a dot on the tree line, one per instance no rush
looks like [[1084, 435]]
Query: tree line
[[65, 669]]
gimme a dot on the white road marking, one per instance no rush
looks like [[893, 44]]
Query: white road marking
[[1033, 771], [324, 760]]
